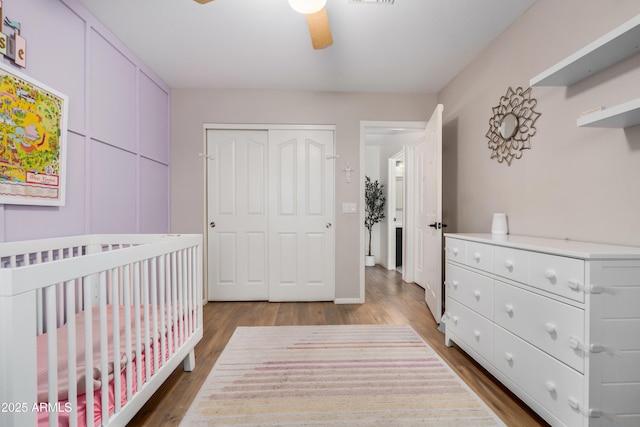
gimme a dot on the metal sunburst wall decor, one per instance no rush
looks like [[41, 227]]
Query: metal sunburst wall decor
[[512, 125]]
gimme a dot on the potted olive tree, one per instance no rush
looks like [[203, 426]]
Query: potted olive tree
[[374, 200]]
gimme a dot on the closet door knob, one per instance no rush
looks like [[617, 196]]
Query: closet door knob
[[329, 225], [212, 224]]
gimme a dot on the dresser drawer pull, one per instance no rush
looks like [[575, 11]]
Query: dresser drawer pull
[[455, 284], [550, 386], [508, 264], [573, 402], [550, 275], [454, 251], [574, 343], [455, 319], [509, 309], [574, 285], [476, 294], [508, 357], [550, 328], [476, 256], [476, 334]]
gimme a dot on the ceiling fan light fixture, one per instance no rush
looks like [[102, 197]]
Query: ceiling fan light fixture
[[307, 6]]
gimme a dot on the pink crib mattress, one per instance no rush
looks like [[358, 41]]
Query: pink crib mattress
[[63, 404]]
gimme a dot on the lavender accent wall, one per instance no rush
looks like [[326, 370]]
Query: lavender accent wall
[[118, 136]]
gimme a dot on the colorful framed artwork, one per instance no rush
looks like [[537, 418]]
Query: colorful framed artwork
[[33, 141]]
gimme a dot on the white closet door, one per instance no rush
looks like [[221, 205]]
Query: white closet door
[[237, 214], [301, 220]]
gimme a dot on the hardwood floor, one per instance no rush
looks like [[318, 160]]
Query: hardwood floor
[[388, 301]]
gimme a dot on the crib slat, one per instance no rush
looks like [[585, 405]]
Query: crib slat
[[147, 338], [189, 291], [127, 329], [115, 312], [174, 301], [39, 302], [70, 288], [154, 311], [136, 322], [168, 292], [163, 325], [88, 348], [185, 293], [52, 350], [179, 298], [104, 347]]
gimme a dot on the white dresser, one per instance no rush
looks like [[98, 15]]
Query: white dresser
[[556, 321]]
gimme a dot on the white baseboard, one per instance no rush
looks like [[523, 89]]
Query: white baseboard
[[348, 301]]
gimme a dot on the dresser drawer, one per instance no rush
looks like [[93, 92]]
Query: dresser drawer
[[473, 329], [551, 383], [557, 274], [511, 263], [480, 255], [554, 327], [456, 250], [470, 288]]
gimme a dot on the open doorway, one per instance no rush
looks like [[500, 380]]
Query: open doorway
[[382, 145], [395, 211]]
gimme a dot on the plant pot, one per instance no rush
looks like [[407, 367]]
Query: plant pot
[[369, 260]]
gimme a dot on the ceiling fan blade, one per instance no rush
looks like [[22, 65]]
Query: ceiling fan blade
[[202, 1], [319, 29]]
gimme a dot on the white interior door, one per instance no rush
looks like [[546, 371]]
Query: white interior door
[[238, 214], [391, 214], [301, 217], [428, 213]]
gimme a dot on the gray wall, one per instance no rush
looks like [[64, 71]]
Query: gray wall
[[577, 183], [191, 109]]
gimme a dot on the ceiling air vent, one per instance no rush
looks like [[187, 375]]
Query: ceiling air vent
[[372, 1]]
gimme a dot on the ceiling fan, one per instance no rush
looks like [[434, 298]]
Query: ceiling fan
[[317, 20]]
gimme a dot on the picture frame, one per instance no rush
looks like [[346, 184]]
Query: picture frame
[[33, 141]]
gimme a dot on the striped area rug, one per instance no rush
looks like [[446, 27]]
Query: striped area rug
[[334, 375]]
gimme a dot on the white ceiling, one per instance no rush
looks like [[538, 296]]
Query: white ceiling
[[412, 46]]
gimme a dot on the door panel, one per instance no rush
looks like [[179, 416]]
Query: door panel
[[433, 213], [301, 218], [286, 175], [237, 195], [421, 219]]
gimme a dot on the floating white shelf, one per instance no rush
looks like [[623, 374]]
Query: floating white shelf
[[621, 116], [609, 49]]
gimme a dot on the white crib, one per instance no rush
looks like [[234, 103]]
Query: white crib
[[92, 297]]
